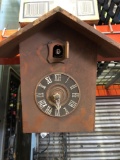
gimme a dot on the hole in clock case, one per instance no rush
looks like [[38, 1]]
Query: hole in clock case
[[58, 51]]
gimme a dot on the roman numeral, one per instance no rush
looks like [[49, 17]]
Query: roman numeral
[[57, 113], [66, 111], [75, 95], [58, 77], [42, 86], [72, 104], [48, 79], [48, 110], [73, 86], [42, 103], [40, 94], [67, 79]]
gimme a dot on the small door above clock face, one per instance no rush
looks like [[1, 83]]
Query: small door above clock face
[[57, 94]]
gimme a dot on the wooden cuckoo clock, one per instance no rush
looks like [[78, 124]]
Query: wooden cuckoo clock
[[58, 59], [58, 74]]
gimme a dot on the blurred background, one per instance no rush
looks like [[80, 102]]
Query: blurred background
[[9, 14]]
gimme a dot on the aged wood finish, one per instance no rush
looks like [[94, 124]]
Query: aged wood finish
[[85, 44], [106, 46], [81, 65]]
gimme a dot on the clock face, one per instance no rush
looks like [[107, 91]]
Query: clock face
[[57, 94]]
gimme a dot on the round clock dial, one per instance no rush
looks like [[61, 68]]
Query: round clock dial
[[57, 94]]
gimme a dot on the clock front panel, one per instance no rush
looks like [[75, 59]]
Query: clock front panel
[[58, 96]]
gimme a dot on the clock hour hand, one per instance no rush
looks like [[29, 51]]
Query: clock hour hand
[[57, 101]]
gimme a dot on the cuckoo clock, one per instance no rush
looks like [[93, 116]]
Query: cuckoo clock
[[58, 75], [58, 59], [58, 80]]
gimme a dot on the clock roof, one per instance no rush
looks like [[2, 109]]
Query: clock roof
[[106, 46]]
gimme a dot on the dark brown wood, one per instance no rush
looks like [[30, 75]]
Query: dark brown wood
[[10, 61], [105, 46], [16, 60], [108, 59], [85, 43], [81, 66]]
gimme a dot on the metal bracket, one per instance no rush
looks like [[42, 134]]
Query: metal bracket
[[111, 30], [3, 33]]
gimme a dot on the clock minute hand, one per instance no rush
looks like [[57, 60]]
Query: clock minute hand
[[58, 106]]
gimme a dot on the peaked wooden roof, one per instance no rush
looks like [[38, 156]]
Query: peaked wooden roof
[[106, 46]]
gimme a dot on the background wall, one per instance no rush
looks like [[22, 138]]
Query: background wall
[[9, 13]]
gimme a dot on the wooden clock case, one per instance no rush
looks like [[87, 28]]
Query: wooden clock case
[[85, 43]]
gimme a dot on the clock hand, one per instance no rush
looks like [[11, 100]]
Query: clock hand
[[58, 106], [57, 101]]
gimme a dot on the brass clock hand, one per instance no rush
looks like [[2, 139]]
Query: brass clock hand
[[57, 101]]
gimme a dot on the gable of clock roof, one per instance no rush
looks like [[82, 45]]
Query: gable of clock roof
[[105, 46]]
